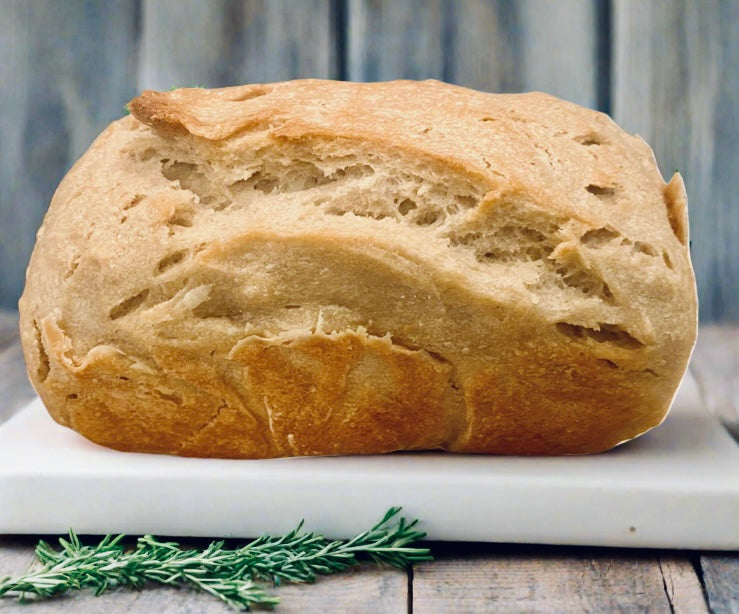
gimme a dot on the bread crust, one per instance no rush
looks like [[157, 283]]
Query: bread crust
[[316, 267]]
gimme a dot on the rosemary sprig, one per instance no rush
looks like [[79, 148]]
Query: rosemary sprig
[[232, 575]]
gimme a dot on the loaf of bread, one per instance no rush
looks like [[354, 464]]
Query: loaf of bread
[[323, 268]]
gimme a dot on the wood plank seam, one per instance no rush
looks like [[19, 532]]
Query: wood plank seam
[[695, 561], [339, 15], [669, 589], [447, 43], [409, 603], [604, 54], [721, 573], [681, 584]]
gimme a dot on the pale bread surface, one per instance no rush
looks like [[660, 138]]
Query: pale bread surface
[[317, 267]]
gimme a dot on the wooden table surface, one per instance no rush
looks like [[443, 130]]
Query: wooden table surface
[[464, 577]]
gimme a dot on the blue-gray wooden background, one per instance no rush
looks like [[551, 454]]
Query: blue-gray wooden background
[[667, 69]]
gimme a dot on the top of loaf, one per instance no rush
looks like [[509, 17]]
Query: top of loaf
[[571, 159], [539, 198], [448, 218]]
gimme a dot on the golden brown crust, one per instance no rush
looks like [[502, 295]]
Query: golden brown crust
[[315, 267]]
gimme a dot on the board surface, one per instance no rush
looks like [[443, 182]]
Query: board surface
[[675, 487]]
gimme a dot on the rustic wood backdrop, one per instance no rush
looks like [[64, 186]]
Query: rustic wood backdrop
[[668, 70]]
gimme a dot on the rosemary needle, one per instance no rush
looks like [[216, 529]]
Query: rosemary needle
[[236, 576]]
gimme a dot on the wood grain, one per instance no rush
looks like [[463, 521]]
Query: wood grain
[[394, 40], [675, 82], [681, 585], [539, 579], [168, 58], [559, 49], [495, 46], [284, 39], [237, 42], [67, 70], [721, 579], [529, 45], [485, 45], [365, 589]]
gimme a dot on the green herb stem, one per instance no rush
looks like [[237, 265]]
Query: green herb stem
[[231, 575]]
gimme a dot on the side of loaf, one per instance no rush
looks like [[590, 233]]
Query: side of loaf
[[316, 267]]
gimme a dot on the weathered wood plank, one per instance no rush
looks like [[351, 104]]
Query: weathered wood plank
[[284, 39], [559, 49], [681, 584], [237, 42], [675, 82], [484, 47], [365, 589], [168, 56], [721, 579], [67, 70], [715, 366], [529, 45], [538, 579], [393, 40]]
